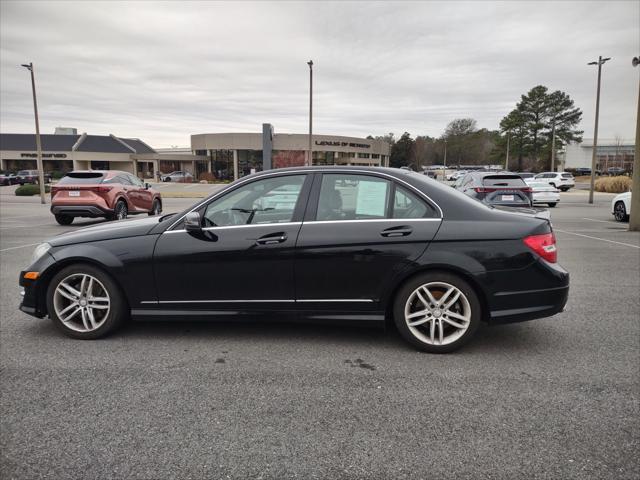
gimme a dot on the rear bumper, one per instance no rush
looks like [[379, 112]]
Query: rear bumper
[[91, 211], [509, 306]]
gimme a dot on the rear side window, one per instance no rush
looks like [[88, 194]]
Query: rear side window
[[503, 181], [352, 197], [81, 178], [406, 204]]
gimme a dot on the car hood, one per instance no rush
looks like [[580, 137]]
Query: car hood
[[106, 231]]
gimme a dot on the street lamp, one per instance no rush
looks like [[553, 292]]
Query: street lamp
[[29, 66], [600, 62], [310, 63], [634, 215], [506, 161], [444, 169]]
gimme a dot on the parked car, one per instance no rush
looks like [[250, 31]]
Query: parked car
[[9, 179], [32, 176], [177, 176], [525, 175], [582, 171], [111, 194], [561, 180], [452, 177], [621, 207], [387, 243], [615, 171], [543, 193], [497, 189]]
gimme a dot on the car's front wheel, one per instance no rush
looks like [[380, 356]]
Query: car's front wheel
[[620, 212], [85, 303], [437, 312]]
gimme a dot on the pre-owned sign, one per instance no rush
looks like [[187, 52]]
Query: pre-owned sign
[[44, 155]]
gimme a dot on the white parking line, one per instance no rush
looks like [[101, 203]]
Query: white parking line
[[20, 246], [601, 221], [26, 226], [597, 238]]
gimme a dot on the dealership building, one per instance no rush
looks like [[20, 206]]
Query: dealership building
[[233, 155], [66, 150], [609, 153], [225, 155]]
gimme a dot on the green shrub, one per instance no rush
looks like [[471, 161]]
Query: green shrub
[[57, 174], [30, 189], [613, 184]]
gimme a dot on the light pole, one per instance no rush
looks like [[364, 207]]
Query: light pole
[[310, 160], [29, 66], [553, 146], [634, 215], [506, 162], [600, 62], [444, 170]]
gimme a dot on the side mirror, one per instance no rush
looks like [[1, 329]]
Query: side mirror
[[147, 186], [192, 222]]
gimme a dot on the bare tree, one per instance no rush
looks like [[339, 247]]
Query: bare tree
[[618, 142]]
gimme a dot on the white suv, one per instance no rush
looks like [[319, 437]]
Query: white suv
[[561, 180]]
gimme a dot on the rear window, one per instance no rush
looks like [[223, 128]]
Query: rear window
[[566, 175], [81, 178], [503, 181]]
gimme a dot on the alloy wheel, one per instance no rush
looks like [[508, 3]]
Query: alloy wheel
[[121, 212], [620, 212], [437, 313], [81, 302]]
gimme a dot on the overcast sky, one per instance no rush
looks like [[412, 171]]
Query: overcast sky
[[161, 71]]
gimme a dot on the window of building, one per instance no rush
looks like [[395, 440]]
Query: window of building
[[363, 155]]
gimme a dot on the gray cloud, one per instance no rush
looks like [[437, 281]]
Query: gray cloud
[[162, 71]]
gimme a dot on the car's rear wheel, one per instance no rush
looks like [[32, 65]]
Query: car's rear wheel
[[85, 303], [437, 312], [156, 209], [551, 205], [121, 211], [64, 219], [620, 212]]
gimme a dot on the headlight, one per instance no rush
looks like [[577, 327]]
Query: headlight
[[39, 252]]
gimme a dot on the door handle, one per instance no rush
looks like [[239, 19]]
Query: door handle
[[272, 238], [402, 231]]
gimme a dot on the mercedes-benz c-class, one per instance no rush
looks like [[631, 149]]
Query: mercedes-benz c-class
[[310, 243]]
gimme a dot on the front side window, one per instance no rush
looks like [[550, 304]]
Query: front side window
[[272, 200], [352, 197]]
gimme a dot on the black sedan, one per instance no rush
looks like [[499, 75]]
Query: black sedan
[[314, 243]]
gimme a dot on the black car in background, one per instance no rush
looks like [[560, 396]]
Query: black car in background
[[497, 189], [9, 179], [31, 176], [314, 243]]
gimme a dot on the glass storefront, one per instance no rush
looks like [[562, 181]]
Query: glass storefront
[[249, 161]]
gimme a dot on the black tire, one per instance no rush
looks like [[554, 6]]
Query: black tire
[[620, 212], [551, 205], [407, 290], [118, 307], [156, 208], [121, 211], [64, 219]]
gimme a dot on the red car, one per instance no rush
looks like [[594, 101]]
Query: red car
[[102, 193]]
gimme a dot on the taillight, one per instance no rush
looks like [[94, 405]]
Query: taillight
[[102, 189], [544, 245], [502, 189]]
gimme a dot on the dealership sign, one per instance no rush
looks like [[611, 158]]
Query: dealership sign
[[326, 143], [44, 155]]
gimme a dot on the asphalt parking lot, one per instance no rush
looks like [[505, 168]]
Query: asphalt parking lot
[[551, 398]]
